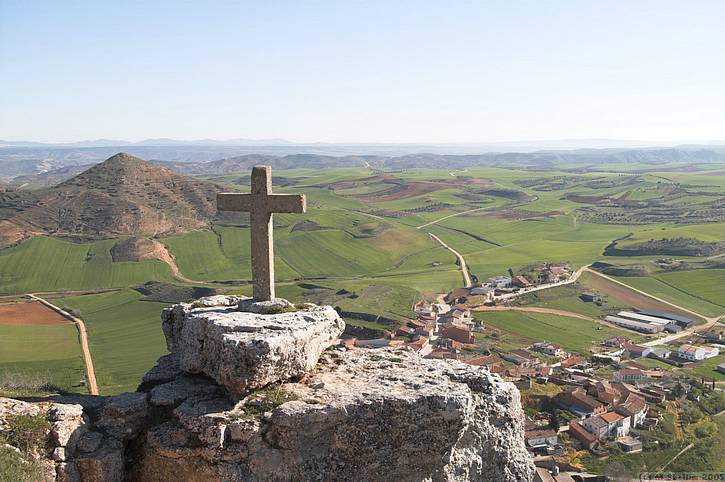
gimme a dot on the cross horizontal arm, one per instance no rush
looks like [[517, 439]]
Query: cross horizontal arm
[[234, 201], [287, 203]]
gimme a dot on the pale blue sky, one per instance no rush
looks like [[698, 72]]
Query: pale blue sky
[[346, 71]]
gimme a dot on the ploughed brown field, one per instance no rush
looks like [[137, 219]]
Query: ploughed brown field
[[29, 313]]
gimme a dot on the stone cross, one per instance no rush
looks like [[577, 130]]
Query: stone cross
[[260, 204]]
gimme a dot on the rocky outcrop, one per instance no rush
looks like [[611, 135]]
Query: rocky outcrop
[[249, 349], [388, 414], [300, 409]]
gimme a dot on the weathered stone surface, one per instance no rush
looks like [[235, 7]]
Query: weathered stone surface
[[171, 394], [123, 416], [166, 369], [66, 433], [387, 414], [59, 454], [90, 442], [104, 465], [243, 350]]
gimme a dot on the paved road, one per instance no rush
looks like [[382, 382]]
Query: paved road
[[90, 372], [464, 268], [572, 279]]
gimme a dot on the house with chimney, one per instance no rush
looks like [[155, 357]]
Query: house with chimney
[[603, 391]]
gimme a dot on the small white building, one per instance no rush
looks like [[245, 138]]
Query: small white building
[[696, 352], [500, 281], [608, 424], [639, 326], [547, 348]]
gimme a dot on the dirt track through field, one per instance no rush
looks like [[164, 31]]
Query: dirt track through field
[[462, 262], [83, 335], [29, 313], [451, 216]]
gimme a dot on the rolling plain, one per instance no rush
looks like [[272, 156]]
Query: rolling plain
[[365, 245]]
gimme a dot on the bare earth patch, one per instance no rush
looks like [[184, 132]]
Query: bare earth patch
[[29, 313]]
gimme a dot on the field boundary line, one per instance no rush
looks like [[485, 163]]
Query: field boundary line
[[451, 216], [83, 335]]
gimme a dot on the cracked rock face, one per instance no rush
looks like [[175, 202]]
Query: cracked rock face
[[244, 350], [389, 415]]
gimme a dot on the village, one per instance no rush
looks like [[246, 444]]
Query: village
[[602, 402]]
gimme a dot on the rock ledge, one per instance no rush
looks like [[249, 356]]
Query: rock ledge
[[245, 350]]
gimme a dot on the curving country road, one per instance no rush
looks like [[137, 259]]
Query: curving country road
[[464, 268], [83, 334]]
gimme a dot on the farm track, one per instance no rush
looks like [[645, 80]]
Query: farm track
[[63, 293], [83, 335], [451, 216], [464, 268]]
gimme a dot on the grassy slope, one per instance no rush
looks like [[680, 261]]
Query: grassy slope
[[45, 264], [572, 333], [124, 335]]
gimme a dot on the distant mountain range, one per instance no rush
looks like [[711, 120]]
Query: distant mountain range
[[40, 167], [121, 196]]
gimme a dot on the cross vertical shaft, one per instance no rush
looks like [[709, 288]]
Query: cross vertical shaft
[[262, 234], [261, 203]]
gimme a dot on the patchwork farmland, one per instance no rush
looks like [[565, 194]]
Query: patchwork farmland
[[364, 246]]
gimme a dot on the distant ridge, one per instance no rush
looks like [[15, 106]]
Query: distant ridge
[[123, 195]]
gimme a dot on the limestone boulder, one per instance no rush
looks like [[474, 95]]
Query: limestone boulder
[[245, 350]]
